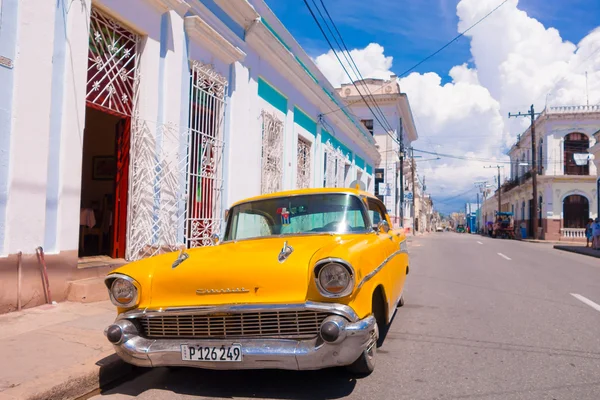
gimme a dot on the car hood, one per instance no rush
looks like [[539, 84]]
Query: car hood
[[237, 273]]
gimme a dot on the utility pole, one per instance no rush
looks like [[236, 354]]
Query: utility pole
[[499, 185], [414, 194], [534, 201], [477, 212]]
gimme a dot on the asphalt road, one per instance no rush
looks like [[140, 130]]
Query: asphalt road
[[484, 319]]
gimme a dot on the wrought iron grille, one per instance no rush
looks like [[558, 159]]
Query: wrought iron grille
[[205, 170], [303, 164], [175, 194], [112, 78], [158, 188], [335, 166], [272, 152]]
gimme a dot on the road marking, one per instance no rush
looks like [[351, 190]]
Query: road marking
[[586, 301], [503, 256], [479, 242]]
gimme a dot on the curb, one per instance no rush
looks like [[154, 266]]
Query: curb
[[576, 251], [74, 382]]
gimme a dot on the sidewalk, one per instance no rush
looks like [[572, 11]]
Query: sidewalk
[[57, 351], [586, 251]]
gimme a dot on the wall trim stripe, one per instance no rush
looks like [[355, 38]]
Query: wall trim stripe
[[271, 95], [360, 163], [305, 121], [326, 136]]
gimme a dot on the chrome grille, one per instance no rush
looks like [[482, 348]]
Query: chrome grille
[[272, 324]]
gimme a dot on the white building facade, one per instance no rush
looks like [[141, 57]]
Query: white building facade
[[566, 180], [127, 128], [386, 100]]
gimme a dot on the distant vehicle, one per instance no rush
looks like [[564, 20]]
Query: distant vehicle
[[460, 229], [504, 226], [439, 229]]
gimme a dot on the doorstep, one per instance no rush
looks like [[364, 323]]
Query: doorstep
[[100, 261]]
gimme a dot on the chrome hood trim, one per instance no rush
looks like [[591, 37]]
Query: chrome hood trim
[[333, 308]]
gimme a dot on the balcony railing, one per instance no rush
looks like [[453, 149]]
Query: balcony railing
[[513, 183], [573, 109], [572, 233]]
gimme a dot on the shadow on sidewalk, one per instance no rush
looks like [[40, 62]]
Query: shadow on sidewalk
[[586, 251]]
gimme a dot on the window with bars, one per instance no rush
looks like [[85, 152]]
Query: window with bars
[[303, 164], [575, 143], [272, 151]]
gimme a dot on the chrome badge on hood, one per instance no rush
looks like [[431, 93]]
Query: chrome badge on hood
[[201, 292]]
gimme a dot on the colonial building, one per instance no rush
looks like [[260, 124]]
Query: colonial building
[[398, 124], [567, 189], [128, 127]]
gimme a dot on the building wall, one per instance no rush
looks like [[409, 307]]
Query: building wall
[[41, 136]]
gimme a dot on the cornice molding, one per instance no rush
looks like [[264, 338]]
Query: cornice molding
[[240, 11], [204, 34], [179, 6]]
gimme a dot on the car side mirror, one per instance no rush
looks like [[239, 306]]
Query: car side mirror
[[383, 227], [214, 238]]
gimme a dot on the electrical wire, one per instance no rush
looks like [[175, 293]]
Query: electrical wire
[[340, 62], [348, 56], [350, 60], [461, 34]]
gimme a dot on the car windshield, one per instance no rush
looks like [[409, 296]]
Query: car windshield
[[290, 215]]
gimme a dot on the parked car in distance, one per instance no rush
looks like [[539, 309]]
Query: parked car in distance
[[439, 229], [460, 229], [300, 280]]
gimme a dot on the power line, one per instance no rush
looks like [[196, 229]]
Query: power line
[[348, 56], [340, 61], [452, 41], [447, 44]]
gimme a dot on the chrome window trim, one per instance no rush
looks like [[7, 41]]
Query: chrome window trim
[[334, 308], [342, 262], [109, 281], [371, 274], [404, 246]]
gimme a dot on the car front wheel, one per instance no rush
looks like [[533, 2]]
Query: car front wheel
[[365, 364]]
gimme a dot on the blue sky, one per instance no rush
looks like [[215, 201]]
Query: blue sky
[[409, 30]]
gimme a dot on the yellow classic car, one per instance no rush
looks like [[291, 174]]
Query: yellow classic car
[[300, 280]]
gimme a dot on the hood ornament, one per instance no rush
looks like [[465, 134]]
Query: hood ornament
[[285, 252], [181, 258]]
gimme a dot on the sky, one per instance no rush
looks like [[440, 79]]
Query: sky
[[526, 52]]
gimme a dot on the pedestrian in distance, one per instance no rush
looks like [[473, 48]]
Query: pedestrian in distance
[[596, 233], [588, 234]]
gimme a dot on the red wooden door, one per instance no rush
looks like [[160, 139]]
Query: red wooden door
[[123, 136]]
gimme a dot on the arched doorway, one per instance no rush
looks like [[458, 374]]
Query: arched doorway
[[576, 211], [575, 143]]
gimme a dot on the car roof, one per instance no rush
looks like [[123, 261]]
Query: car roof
[[298, 192]]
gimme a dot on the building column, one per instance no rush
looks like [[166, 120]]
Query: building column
[[29, 141]]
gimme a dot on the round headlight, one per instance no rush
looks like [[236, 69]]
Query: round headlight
[[123, 293], [334, 280]]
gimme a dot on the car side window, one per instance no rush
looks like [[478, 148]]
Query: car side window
[[375, 212]]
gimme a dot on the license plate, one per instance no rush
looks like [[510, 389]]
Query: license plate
[[231, 353]]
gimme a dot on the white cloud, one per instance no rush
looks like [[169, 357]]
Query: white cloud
[[517, 62], [370, 61]]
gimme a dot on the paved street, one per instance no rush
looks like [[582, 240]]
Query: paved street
[[484, 319]]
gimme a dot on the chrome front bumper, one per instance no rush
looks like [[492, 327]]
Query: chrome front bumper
[[257, 353]]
